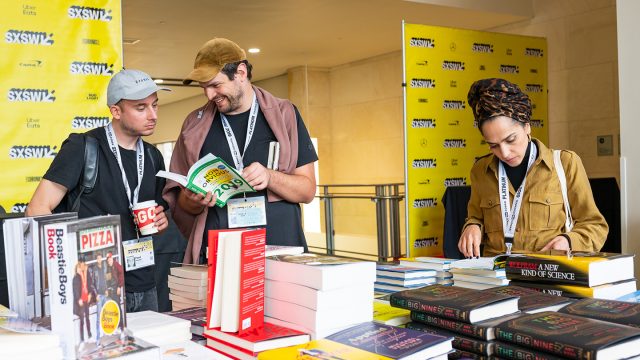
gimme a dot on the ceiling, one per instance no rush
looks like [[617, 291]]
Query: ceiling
[[290, 33]]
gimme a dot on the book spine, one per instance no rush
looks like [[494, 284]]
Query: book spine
[[451, 325], [546, 270], [505, 333], [252, 262], [420, 306], [507, 351]]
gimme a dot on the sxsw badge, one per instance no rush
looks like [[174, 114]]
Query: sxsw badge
[[247, 212], [138, 253]]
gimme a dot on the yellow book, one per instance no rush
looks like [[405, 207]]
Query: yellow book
[[387, 314], [319, 349]]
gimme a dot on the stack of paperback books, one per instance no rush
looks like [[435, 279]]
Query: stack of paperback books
[[369, 340], [479, 273], [442, 266], [577, 274], [318, 294], [392, 278], [188, 286]]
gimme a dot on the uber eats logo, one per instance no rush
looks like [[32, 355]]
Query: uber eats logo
[[89, 13], [425, 203], [424, 163], [32, 151], [89, 122], [423, 83], [31, 95], [26, 37], [91, 68], [422, 42]]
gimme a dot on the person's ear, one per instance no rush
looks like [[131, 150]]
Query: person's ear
[[116, 111], [241, 71]]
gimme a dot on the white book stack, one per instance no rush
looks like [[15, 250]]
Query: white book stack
[[22, 339], [392, 278], [318, 294], [479, 273], [442, 266], [158, 329], [188, 287]]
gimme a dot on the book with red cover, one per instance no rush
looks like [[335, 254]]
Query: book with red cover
[[269, 336], [235, 295]]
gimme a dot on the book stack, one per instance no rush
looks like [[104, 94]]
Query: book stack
[[22, 339], [392, 278], [577, 274], [198, 318], [188, 286], [531, 336], [442, 266], [318, 294], [369, 340], [158, 329], [470, 315], [479, 273]]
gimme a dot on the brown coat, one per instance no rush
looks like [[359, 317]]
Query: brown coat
[[280, 116], [542, 216]]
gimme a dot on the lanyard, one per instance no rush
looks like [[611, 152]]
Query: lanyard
[[113, 145], [510, 214], [231, 139]]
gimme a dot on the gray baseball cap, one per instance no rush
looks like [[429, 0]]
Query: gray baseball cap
[[130, 84]]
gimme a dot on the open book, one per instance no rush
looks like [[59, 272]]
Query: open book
[[211, 173]]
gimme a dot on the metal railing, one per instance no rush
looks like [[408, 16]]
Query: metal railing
[[387, 199]]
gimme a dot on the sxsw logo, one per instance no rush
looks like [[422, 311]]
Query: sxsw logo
[[425, 242], [89, 122], [482, 48], [536, 123], [453, 65], [423, 83], [533, 88], [509, 69], [425, 203], [422, 42], [89, 13], [453, 105], [423, 123], [454, 143], [19, 207], [533, 52], [32, 95], [91, 68], [424, 163], [32, 151], [457, 181], [26, 37]]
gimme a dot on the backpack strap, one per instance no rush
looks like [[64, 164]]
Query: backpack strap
[[557, 162], [89, 172]]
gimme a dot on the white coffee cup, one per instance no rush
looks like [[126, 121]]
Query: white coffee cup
[[145, 213]]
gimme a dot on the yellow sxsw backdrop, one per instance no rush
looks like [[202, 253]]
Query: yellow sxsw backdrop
[[441, 139], [57, 59]]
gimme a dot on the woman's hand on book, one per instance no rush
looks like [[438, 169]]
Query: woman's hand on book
[[469, 243]]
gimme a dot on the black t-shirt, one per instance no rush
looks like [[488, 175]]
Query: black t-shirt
[[284, 219], [109, 195]]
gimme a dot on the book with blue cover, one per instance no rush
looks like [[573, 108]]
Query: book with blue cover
[[393, 342], [631, 297], [403, 272]]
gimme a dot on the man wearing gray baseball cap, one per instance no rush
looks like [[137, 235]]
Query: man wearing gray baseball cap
[[125, 174]]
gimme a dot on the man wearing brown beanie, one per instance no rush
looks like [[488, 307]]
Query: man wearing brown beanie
[[239, 123]]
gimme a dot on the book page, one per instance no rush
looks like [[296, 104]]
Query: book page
[[212, 174]]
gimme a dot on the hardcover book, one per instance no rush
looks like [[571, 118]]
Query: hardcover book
[[630, 297], [621, 312], [426, 262], [236, 279], [320, 349], [211, 174], [571, 336], [85, 269], [196, 315], [484, 330], [460, 342], [389, 315], [466, 355], [269, 336], [580, 268], [393, 342], [606, 291], [496, 281], [510, 351], [456, 303], [403, 272], [319, 300], [196, 272], [532, 301], [320, 272]]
